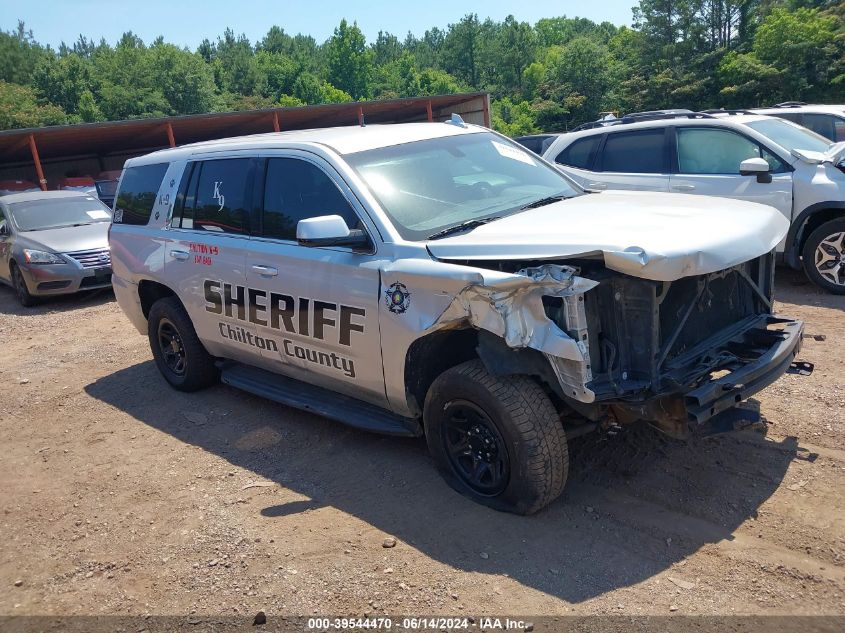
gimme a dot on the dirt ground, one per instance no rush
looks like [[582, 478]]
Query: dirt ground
[[122, 496]]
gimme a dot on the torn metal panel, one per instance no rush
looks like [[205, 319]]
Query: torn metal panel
[[513, 309]]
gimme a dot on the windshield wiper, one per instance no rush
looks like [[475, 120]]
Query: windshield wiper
[[542, 202], [463, 226]]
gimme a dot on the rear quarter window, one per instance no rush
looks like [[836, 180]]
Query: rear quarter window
[[137, 194], [580, 153]]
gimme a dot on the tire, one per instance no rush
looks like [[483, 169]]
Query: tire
[[184, 362], [496, 439], [19, 285], [822, 249]]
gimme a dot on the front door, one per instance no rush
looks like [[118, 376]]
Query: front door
[[708, 165], [317, 318], [5, 246]]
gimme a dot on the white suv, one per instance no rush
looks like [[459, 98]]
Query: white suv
[[750, 157], [438, 279], [827, 120]]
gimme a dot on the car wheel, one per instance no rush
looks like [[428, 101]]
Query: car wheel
[[181, 357], [824, 256], [496, 439], [21, 291]]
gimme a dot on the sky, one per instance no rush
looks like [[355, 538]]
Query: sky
[[187, 22]]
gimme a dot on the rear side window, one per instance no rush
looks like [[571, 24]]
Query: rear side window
[[217, 196], [634, 152], [137, 195], [295, 190], [580, 153]]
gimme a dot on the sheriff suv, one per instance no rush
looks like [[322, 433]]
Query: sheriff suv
[[750, 157], [438, 279]]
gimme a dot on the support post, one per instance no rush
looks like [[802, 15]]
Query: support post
[[42, 181], [276, 127], [361, 116], [487, 110], [428, 111], [170, 138]]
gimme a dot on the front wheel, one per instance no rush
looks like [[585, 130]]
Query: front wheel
[[824, 256], [21, 291], [178, 352], [496, 439]]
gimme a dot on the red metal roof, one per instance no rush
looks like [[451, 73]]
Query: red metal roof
[[140, 135]]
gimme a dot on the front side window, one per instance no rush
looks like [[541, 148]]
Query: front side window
[[138, 191], [431, 185], [634, 152], [714, 151], [55, 213], [580, 154], [294, 190], [218, 196]]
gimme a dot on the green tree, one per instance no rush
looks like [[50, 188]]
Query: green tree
[[460, 50], [514, 119], [19, 108], [348, 60]]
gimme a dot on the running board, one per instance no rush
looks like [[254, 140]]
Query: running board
[[329, 404]]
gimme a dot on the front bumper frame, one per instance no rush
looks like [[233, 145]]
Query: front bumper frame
[[720, 394]]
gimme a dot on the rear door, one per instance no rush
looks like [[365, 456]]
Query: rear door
[[206, 253], [318, 314], [634, 160], [707, 163]]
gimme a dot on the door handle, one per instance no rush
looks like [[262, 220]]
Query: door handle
[[180, 255], [596, 185], [269, 271], [683, 187]]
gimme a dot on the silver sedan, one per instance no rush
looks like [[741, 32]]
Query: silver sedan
[[53, 242]]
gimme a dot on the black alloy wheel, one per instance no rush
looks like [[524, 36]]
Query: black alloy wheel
[[475, 447]]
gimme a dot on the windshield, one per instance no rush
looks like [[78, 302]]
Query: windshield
[[54, 213], [790, 136], [427, 186]]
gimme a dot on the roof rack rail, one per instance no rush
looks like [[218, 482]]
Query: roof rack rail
[[727, 111], [636, 117], [657, 115], [790, 104]]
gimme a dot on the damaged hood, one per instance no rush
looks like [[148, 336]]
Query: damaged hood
[[835, 154], [654, 236]]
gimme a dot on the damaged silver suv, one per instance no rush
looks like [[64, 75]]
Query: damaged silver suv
[[440, 280]]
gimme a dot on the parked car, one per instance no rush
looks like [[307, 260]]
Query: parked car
[[53, 243], [749, 157], [439, 279], [826, 120], [85, 184], [537, 143], [17, 186], [106, 184]]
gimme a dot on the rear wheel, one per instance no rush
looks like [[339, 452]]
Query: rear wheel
[[496, 439], [178, 352], [824, 256], [21, 291]]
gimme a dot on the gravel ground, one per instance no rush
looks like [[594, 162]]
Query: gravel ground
[[122, 496]]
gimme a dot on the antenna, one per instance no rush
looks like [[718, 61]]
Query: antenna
[[456, 120]]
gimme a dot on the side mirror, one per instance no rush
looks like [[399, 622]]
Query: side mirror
[[329, 230], [4, 229], [756, 167]]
